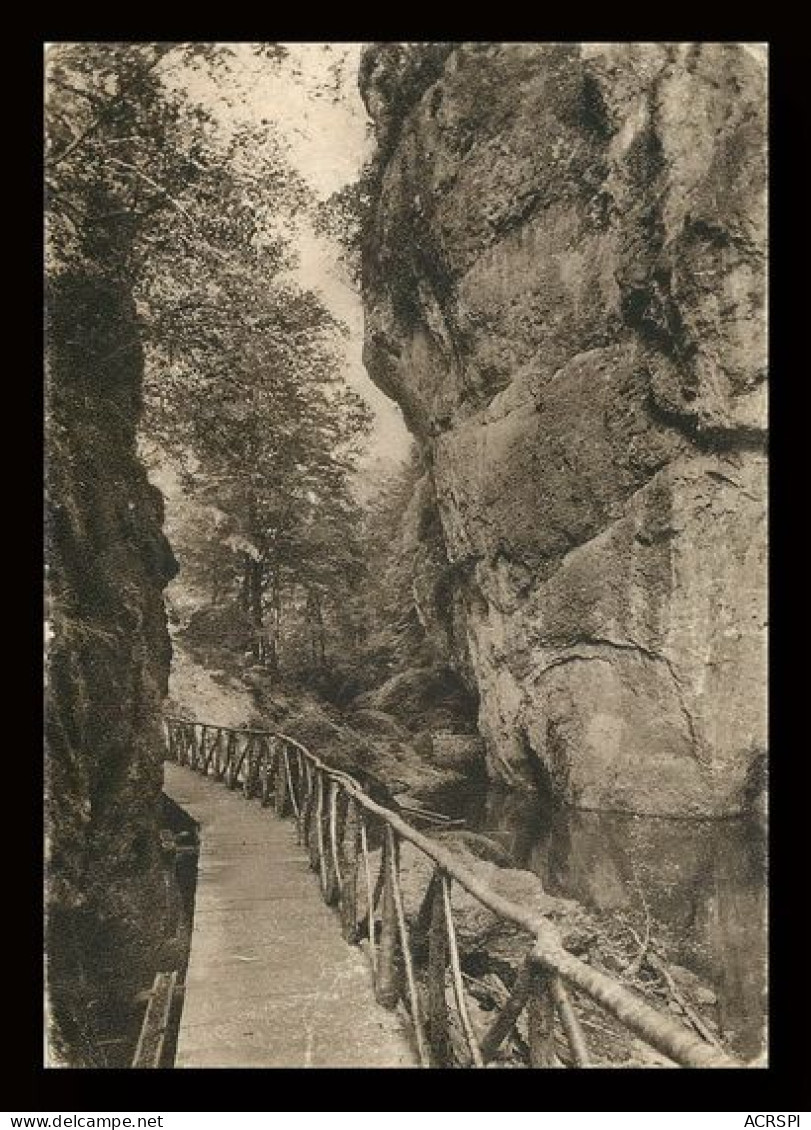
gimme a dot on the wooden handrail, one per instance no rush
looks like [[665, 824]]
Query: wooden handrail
[[155, 1025], [548, 957]]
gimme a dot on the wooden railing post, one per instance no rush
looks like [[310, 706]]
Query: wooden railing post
[[570, 1023], [349, 849], [265, 773], [512, 1009], [301, 777], [541, 1019], [280, 782], [370, 897], [230, 764], [405, 949], [305, 803], [212, 750], [245, 762], [250, 782], [291, 787], [331, 870], [456, 972], [229, 755], [321, 850], [387, 987], [314, 830], [438, 1031]]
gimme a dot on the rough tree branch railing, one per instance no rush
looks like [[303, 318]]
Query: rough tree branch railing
[[338, 823]]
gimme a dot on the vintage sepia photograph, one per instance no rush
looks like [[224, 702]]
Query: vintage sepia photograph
[[406, 545]]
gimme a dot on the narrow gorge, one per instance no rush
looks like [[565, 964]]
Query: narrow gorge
[[406, 475]]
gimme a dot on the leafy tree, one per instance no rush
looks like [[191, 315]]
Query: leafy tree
[[150, 199], [346, 216], [243, 381], [269, 436], [134, 166]]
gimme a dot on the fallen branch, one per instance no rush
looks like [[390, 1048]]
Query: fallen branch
[[658, 966], [634, 966], [631, 968]]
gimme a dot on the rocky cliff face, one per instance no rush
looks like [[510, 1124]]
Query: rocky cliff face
[[108, 665], [564, 289]]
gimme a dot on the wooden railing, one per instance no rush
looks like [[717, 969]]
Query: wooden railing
[[155, 1025], [341, 828]]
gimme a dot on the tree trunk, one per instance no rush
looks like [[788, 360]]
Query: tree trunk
[[255, 600], [308, 614], [321, 634], [276, 622], [245, 587]]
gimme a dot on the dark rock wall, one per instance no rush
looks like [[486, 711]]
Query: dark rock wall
[[107, 671], [564, 291]]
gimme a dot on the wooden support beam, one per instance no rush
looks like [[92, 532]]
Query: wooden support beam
[[456, 970], [230, 755], [219, 756], [334, 789], [505, 1021], [541, 1019], [265, 768], [387, 987], [291, 792], [438, 1030], [570, 1023], [306, 809], [230, 775], [280, 783], [182, 754], [193, 750], [250, 762], [213, 746], [405, 949], [370, 899], [315, 818], [349, 847], [320, 807]]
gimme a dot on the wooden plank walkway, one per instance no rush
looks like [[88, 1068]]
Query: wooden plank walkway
[[271, 982]]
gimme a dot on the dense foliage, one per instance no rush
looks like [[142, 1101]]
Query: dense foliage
[[243, 385]]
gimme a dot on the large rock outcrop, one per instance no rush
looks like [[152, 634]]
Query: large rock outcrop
[[564, 291], [108, 665]]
